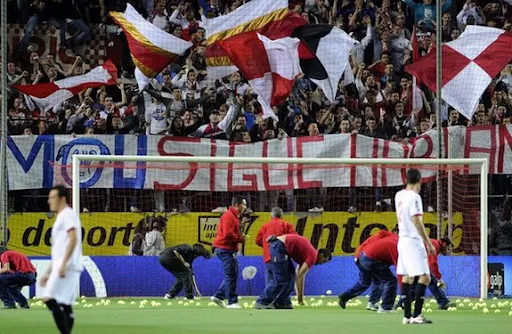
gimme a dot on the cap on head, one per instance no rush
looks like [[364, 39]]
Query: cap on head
[[237, 200]]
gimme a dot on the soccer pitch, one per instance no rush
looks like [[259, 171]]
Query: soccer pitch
[[321, 315]]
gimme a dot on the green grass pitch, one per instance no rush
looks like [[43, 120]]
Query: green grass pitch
[[322, 315]]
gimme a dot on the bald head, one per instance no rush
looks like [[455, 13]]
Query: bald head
[[276, 212]]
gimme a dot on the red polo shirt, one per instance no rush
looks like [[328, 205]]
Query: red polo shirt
[[384, 250], [277, 227], [300, 249], [381, 234], [17, 262]]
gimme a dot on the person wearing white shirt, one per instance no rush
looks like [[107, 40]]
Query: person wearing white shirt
[[412, 254], [62, 279], [156, 118]]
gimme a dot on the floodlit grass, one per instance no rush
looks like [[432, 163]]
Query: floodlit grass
[[322, 315]]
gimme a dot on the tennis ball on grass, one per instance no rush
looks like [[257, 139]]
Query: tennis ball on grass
[[497, 311], [328, 292], [133, 302], [485, 310], [429, 310]]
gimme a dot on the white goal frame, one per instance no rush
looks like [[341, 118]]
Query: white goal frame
[[480, 162]]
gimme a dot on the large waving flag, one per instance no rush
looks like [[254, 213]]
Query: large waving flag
[[469, 64], [270, 18], [152, 49], [48, 95], [270, 66], [324, 55]]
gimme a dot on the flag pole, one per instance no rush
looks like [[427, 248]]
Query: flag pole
[[439, 102]]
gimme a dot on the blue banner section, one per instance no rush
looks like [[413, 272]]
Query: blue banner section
[[143, 276]]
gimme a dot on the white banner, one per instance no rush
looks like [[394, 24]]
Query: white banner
[[42, 161]]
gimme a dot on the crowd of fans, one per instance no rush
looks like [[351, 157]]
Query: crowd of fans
[[183, 101]]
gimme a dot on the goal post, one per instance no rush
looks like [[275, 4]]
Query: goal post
[[477, 165]]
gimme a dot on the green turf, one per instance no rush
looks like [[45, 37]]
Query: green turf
[[178, 318]]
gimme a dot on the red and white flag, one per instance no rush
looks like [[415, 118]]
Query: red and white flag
[[270, 66], [47, 95], [417, 99], [469, 64]]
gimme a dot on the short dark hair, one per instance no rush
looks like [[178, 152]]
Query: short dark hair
[[62, 192], [325, 253], [413, 176], [447, 241], [200, 250], [237, 200]]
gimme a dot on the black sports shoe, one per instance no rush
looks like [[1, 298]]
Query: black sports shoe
[[342, 302]]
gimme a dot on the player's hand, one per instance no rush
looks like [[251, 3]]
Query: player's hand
[[187, 265], [62, 271], [44, 280], [441, 283], [431, 250]]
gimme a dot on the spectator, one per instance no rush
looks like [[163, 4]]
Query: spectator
[[426, 12]]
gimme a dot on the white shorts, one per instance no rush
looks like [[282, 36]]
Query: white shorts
[[412, 258], [64, 290]]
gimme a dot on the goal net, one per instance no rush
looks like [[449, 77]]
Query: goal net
[[335, 203]]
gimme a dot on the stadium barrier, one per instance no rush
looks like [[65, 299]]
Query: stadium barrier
[[111, 233], [114, 276]]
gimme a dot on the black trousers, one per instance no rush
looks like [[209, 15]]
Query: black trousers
[[183, 275]]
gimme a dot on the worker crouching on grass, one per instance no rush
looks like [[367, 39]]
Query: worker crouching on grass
[[178, 261], [16, 271], [283, 250]]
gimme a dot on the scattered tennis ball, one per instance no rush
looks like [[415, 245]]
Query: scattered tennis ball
[[429, 310], [180, 302], [82, 297], [457, 301], [246, 305], [485, 310], [141, 306], [461, 305], [494, 298], [99, 304], [121, 302], [133, 302], [198, 304], [322, 296], [102, 301], [169, 304], [470, 304], [510, 314], [185, 304], [497, 311], [399, 308], [311, 299], [328, 292], [493, 306], [467, 301], [84, 301], [481, 300]]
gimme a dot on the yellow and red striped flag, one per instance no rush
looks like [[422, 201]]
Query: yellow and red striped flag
[[151, 48], [270, 18]]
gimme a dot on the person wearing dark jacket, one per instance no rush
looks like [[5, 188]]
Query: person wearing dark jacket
[[178, 261], [229, 236]]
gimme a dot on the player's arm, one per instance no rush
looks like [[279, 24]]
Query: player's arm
[[301, 275], [417, 220], [73, 240], [259, 237], [178, 255]]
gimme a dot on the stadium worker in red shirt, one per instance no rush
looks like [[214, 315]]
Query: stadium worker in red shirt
[[229, 236], [436, 283], [376, 259], [16, 272], [283, 250], [365, 279], [276, 227]]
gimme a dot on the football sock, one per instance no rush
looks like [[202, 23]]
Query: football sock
[[406, 288], [419, 299], [70, 316], [60, 317]]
